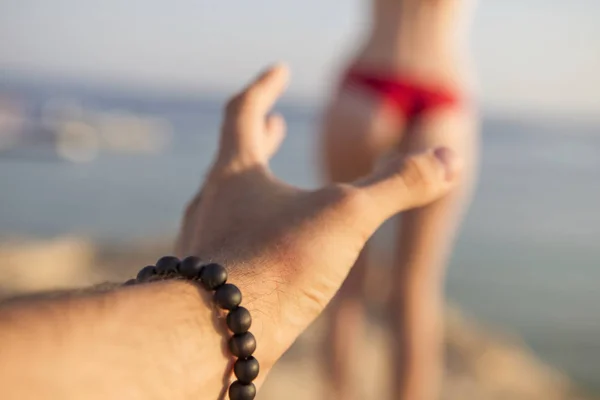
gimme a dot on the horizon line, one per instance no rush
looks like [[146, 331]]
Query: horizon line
[[180, 92]]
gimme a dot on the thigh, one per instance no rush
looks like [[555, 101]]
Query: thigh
[[357, 130], [426, 234], [456, 128]]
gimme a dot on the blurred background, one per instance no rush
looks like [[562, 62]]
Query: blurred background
[[109, 113]]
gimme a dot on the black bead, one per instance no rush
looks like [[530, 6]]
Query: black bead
[[190, 267], [246, 370], [146, 273], [239, 391], [239, 320], [130, 282], [213, 276], [167, 265], [228, 296], [242, 345]]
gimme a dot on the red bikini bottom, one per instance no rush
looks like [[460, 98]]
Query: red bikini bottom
[[411, 99]]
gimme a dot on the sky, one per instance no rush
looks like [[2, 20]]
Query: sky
[[532, 56]]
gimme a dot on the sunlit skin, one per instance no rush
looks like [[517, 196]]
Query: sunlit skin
[[287, 249], [423, 40]]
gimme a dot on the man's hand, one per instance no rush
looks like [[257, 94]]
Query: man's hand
[[288, 249]]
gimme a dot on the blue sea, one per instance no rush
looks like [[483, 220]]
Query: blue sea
[[528, 256]]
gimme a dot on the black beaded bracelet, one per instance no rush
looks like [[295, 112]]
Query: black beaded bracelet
[[213, 277]]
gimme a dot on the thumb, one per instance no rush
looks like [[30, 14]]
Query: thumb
[[402, 183]]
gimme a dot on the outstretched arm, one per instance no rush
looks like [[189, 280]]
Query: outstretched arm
[[164, 339], [158, 340]]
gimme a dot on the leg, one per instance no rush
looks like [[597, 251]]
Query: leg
[[423, 247], [349, 154], [426, 234], [344, 330], [420, 39]]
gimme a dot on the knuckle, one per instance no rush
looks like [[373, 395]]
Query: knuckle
[[418, 174]]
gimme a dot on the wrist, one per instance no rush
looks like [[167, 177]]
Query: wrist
[[189, 333], [201, 317], [278, 308], [265, 297], [197, 338]]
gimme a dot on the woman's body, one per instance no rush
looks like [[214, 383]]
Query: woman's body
[[408, 89]]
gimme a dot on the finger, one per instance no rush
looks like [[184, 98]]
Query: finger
[[268, 87], [245, 126], [255, 101], [403, 183], [274, 134]]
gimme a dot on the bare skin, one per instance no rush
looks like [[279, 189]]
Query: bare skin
[[425, 40], [280, 244]]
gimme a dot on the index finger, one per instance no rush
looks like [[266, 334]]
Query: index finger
[[261, 94]]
